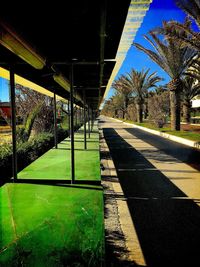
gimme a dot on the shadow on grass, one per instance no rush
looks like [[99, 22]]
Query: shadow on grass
[[64, 183], [77, 149]]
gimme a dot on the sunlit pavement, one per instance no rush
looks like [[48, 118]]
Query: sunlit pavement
[[162, 192]]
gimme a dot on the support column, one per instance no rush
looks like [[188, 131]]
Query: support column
[[82, 116], [72, 123], [55, 121], [76, 117], [88, 122], [92, 118], [84, 120], [69, 118], [13, 123]]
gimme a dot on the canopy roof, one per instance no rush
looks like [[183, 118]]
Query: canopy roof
[[85, 32]]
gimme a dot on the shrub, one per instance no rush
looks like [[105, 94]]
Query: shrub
[[27, 152], [5, 149]]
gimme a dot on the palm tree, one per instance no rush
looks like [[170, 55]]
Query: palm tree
[[139, 82], [190, 7], [183, 31], [174, 59], [124, 92]]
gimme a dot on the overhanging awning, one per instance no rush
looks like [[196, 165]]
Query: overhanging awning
[[85, 31], [136, 12]]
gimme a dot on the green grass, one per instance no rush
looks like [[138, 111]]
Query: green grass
[[185, 134]]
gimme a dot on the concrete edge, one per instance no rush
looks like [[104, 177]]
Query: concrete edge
[[135, 253], [165, 135]]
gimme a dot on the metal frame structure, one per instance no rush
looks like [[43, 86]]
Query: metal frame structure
[[97, 58], [13, 122], [55, 121]]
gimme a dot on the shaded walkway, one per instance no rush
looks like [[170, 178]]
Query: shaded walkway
[[166, 220], [55, 164]]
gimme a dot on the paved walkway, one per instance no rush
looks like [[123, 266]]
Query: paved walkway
[[55, 163], [162, 196]]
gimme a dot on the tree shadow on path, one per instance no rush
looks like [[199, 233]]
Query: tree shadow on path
[[166, 222], [189, 155]]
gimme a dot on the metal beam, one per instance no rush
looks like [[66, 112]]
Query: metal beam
[[87, 88], [55, 121], [67, 63], [102, 40], [88, 122], [72, 123], [76, 117], [91, 120], [84, 117], [13, 123], [69, 118]]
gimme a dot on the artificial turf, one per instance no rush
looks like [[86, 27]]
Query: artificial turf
[[45, 225], [55, 164], [53, 225]]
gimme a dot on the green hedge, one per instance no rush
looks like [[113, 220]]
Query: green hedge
[[27, 152]]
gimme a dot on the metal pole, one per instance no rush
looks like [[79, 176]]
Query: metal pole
[[13, 123], [88, 122], [55, 121], [81, 116], [69, 118], [72, 123], [91, 120], [84, 114], [76, 118]]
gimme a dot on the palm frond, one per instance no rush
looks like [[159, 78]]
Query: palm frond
[[190, 7], [155, 57], [170, 55], [181, 33]]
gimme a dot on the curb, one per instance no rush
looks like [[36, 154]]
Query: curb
[[165, 135]]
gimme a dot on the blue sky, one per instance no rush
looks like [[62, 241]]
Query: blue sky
[[4, 90], [159, 10]]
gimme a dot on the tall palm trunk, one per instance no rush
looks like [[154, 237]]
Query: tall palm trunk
[[139, 107], [175, 88], [186, 111], [126, 100], [146, 111]]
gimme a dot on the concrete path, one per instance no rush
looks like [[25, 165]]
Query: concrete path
[[160, 184]]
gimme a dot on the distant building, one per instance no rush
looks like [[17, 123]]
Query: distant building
[[196, 103], [5, 111]]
